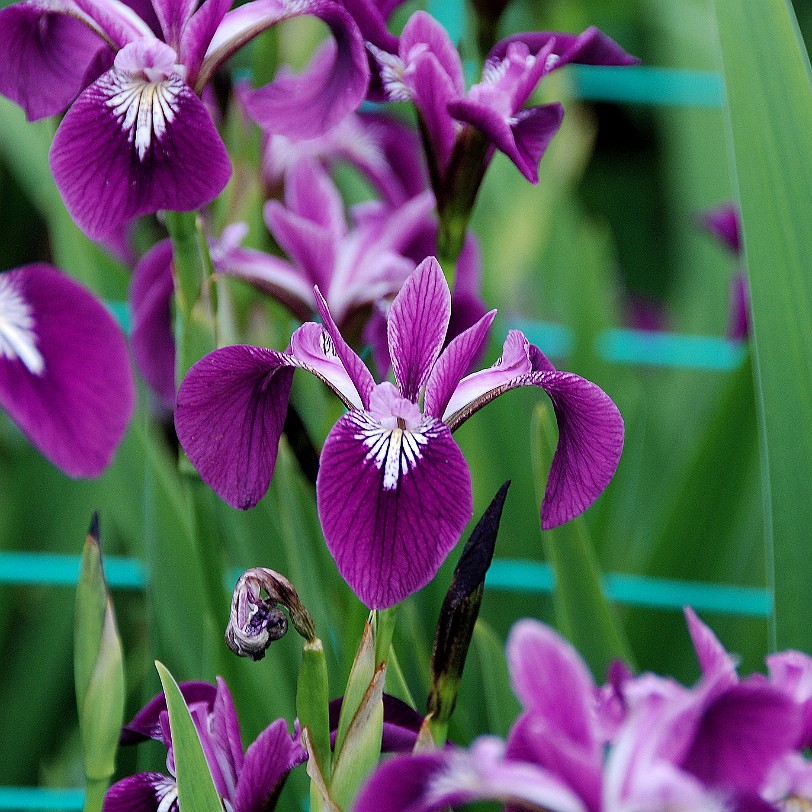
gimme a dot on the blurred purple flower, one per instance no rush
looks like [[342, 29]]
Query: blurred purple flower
[[427, 70], [246, 782], [394, 491], [723, 223], [138, 113], [65, 375]]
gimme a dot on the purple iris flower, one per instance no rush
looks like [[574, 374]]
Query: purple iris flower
[[65, 375], [247, 781], [394, 491], [707, 748], [138, 138], [427, 70]]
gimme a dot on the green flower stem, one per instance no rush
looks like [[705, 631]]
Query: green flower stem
[[195, 333], [384, 627], [456, 198]]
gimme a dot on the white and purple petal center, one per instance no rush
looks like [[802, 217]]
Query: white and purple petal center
[[393, 432], [18, 338], [143, 91]]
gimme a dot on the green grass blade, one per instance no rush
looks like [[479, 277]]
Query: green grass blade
[[196, 790], [582, 611], [767, 75]]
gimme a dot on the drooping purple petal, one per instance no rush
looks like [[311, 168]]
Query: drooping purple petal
[[592, 47], [65, 375], [454, 363], [144, 792], [430, 782], [360, 376], [229, 417], [153, 146], [146, 724], [46, 54], [418, 320], [152, 337], [268, 761], [741, 735], [524, 138], [307, 104], [392, 503]]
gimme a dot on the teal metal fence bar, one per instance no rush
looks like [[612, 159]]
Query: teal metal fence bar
[[506, 574], [20, 798]]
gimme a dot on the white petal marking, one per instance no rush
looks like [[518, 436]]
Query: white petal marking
[[18, 338], [143, 109], [395, 451]]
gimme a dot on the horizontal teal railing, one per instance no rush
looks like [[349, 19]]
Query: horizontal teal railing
[[505, 574]]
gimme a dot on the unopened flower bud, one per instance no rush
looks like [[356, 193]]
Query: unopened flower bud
[[257, 617]]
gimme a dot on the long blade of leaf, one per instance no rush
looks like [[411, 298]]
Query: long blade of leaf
[[769, 89]]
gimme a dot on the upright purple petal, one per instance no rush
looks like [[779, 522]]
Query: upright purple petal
[[453, 364], [144, 792], [392, 503], [418, 320], [423, 33], [312, 194], [153, 146], [229, 417], [152, 337], [268, 761], [225, 729], [360, 376], [713, 658], [173, 16], [65, 375], [46, 54], [307, 104]]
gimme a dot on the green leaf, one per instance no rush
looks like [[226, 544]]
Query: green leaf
[[363, 669], [196, 790], [769, 90], [312, 702], [98, 671], [582, 612], [501, 706]]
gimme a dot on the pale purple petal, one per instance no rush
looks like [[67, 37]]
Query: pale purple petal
[[46, 54], [267, 764], [152, 337], [144, 792], [173, 15], [592, 47], [418, 320], [197, 36], [791, 672], [65, 375], [119, 21], [225, 729], [551, 679], [713, 658], [274, 276], [453, 364], [307, 104], [229, 417], [430, 782], [392, 504], [524, 138], [741, 734], [311, 193], [153, 146], [146, 724], [360, 376], [313, 349]]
